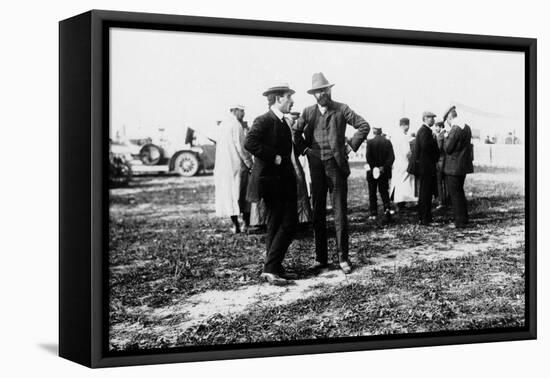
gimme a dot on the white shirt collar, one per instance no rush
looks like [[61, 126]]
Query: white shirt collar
[[322, 109], [277, 112]]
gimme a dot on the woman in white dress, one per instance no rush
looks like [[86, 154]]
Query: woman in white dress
[[402, 181]]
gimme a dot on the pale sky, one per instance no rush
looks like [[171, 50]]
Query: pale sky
[[173, 80]]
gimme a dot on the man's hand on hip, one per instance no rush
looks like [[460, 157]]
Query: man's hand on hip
[[348, 149]]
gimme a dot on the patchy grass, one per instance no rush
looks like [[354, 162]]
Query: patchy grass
[[166, 244], [472, 292]]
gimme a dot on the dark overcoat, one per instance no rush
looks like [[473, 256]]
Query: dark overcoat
[[459, 151], [426, 152], [267, 138], [380, 154]]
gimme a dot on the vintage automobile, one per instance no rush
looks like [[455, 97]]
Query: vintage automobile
[[194, 155]]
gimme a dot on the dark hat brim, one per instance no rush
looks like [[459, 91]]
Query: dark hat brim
[[279, 89], [449, 111], [313, 90]]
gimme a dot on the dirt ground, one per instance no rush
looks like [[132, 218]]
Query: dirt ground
[[178, 277]]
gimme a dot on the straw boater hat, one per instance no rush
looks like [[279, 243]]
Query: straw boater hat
[[236, 106], [319, 81], [279, 87]]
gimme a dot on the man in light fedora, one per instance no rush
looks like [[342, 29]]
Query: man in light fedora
[[319, 133], [426, 155], [273, 179]]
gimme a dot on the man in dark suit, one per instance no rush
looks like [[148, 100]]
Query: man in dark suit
[[380, 158], [458, 163], [273, 179], [426, 155], [319, 133]]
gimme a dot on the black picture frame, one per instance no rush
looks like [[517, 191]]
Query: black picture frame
[[83, 195]]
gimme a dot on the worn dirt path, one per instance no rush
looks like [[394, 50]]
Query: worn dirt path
[[170, 321]]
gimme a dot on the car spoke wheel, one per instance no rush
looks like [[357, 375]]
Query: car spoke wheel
[[187, 164]]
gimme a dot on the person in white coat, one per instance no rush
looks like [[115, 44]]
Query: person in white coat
[[402, 180], [231, 170]]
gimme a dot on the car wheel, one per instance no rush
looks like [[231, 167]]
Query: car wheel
[[150, 154], [187, 164]]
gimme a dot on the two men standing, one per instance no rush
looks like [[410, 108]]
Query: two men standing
[[319, 133], [456, 160]]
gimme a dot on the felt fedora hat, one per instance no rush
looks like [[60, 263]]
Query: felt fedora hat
[[319, 81], [279, 87]]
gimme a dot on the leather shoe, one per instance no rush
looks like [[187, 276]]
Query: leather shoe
[[288, 275], [273, 279]]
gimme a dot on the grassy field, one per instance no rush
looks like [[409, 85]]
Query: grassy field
[[168, 252]]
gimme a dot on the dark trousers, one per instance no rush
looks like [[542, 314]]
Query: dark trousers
[[455, 186], [425, 192], [326, 176], [244, 205], [442, 193], [382, 184], [281, 219]]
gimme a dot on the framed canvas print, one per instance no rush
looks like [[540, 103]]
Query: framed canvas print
[[236, 188]]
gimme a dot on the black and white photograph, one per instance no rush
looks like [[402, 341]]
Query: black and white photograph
[[284, 189], [267, 190]]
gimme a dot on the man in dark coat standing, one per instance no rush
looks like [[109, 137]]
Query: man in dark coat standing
[[319, 133], [380, 158], [426, 155], [458, 163], [273, 179]]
